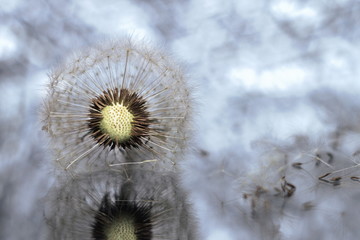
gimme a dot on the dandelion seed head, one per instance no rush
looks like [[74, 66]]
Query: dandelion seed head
[[119, 119], [116, 121], [116, 103]]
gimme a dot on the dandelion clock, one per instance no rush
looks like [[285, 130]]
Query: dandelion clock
[[117, 103]]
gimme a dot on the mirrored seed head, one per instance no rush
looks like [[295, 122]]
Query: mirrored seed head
[[122, 229], [102, 204], [122, 220], [119, 118]]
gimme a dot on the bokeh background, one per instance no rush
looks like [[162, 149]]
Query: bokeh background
[[267, 73]]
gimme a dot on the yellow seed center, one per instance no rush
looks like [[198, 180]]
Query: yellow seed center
[[122, 229], [116, 122]]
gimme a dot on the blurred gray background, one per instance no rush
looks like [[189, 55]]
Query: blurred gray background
[[257, 67]]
